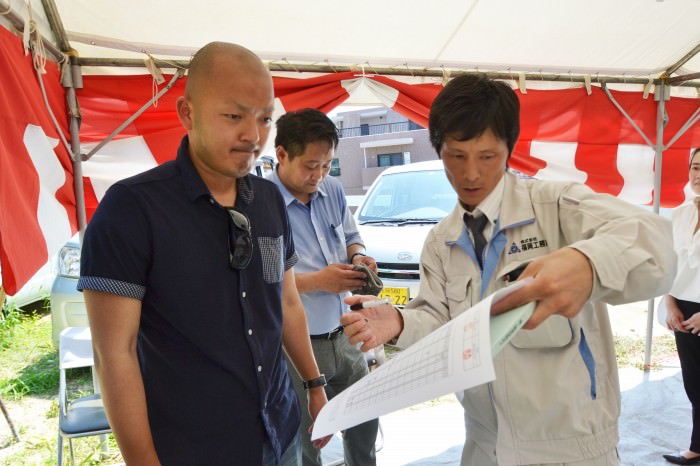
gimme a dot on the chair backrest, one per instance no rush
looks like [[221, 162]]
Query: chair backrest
[[75, 348], [83, 416]]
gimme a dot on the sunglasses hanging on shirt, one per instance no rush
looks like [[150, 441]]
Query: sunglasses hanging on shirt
[[240, 241]]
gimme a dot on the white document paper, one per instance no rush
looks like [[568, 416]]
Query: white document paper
[[454, 357]]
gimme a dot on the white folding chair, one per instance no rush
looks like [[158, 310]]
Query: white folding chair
[[84, 416]]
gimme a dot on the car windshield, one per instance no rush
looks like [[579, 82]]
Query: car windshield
[[409, 197]]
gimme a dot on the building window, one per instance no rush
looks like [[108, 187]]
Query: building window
[[335, 167], [389, 160]]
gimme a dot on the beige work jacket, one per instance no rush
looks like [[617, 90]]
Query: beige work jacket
[[556, 397]]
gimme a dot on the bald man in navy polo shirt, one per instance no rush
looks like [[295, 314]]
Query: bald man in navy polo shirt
[[187, 272]]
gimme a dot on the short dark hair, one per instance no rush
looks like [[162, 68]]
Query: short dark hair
[[471, 103], [301, 127]]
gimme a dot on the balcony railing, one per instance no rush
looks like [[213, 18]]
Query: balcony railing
[[369, 130]]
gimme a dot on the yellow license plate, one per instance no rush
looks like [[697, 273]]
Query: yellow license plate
[[399, 296]]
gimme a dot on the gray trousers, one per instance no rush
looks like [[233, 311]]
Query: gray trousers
[[343, 365]]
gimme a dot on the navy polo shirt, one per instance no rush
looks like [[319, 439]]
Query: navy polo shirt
[[210, 337]]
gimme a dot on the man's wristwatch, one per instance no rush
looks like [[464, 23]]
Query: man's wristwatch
[[358, 253], [319, 381]]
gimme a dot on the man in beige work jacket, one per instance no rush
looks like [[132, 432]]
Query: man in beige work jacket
[[556, 397]]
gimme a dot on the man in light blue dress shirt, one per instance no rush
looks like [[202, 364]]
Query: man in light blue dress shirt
[[328, 245]]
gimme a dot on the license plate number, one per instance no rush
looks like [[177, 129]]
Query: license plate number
[[399, 296]]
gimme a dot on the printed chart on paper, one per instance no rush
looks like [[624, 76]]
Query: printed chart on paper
[[454, 357]]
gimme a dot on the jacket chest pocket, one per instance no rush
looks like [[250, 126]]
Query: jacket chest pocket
[[459, 292], [555, 332]]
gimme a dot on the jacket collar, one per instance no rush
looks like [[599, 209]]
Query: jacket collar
[[516, 209]]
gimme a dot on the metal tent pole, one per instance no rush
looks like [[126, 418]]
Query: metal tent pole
[[685, 59], [661, 121], [9, 421], [69, 83], [178, 74], [2, 405], [384, 71], [17, 21], [662, 94], [70, 79]]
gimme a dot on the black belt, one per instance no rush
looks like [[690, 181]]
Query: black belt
[[332, 335]]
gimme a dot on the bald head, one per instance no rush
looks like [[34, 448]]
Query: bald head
[[227, 112], [207, 63]]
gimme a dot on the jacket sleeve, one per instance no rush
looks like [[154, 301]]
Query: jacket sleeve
[[630, 249], [429, 310]]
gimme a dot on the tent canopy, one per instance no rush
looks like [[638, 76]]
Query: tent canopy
[[624, 38]]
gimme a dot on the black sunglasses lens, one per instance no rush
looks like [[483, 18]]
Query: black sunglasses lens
[[240, 241], [240, 220], [242, 252]]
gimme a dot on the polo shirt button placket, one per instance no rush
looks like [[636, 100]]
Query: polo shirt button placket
[[259, 368]]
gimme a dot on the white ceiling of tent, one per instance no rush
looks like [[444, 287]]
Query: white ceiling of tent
[[635, 38]]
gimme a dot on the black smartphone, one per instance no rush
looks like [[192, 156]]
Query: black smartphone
[[514, 274]]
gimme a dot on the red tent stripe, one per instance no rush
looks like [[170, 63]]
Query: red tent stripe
[[38, 204]]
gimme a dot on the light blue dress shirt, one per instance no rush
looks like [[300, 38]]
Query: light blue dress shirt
[[322, 232]]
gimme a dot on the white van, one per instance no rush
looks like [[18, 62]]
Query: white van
[[400, 208]]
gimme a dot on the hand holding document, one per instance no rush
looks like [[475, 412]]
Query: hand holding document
[[456, 356]]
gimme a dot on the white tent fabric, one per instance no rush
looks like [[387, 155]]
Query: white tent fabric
[[629, 38]]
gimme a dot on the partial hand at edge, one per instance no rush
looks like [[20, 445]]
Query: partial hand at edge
[[562, 282], [674, 316], [317, 400], [371, 327], [692, 325], [334, 278], [338, 278], [366, 260]]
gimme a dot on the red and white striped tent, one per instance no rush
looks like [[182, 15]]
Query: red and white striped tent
[[587, 73]]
